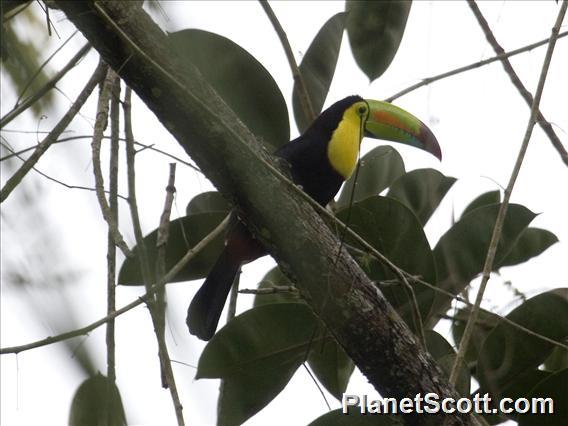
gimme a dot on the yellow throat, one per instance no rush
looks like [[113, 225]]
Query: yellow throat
[[343, 148]]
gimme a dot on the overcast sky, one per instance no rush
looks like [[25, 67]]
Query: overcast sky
[[478, 117]]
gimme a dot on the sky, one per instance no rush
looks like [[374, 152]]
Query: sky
[[478, 117]]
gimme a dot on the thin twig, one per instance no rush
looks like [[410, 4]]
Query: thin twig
[[478, 64], [100, 125], [162, 239], [97, 76], [275, 289], [303, 94], [72, 138], [51, 178], [190, 254], [497, 230], [42, 66], [45, 88], [526, 95], [168, 378], [111, 247]]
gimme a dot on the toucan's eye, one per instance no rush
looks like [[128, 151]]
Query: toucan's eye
[[362, 110]]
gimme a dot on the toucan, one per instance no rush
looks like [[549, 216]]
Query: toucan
[[320, 160]]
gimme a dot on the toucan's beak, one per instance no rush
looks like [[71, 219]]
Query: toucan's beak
[[389, 122]]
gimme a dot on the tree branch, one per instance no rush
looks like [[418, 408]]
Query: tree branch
[[168, 378], [303, 94], [191, 253], [475, 65], [496, 236], [17, 177], [355, 312], [46, 88], [526, 95]]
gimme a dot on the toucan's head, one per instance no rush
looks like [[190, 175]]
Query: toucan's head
[[354, 117]]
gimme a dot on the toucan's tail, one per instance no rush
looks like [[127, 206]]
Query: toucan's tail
[[205, 309]]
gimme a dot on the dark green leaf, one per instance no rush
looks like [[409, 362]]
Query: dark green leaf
[[445, 356], [394, 231], [375, 29], [491, 197], [356, 418], [508, 352], [317, 68], [558, 360], [437, 345], [421, 191], [185, 233], [460, 253], [552, 391], [332, 366], [243, 83], [256, 354], [486, 321], [91, 404], [531, 243], [207, 202], [377, 170], [275, 278]]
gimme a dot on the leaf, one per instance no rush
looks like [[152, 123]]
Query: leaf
[[508, 352], [317, 68], [491, 197], [329, 362], [421, 191], [552, 392], [356, 418], [185, 233], [90, 404], [377, 170], [243, 83], [461, 251], [394, 231], [208, 202], [445, 356], [256, 354], [332, 366], [486, 321], [273, 278], [531, 243], [375, 30]]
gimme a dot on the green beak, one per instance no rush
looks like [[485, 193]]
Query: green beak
[[389, 122]]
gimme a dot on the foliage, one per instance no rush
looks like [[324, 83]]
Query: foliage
[[257, 352]]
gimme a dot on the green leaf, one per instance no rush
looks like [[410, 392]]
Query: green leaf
[[421, 191], [208, 202], [185, 233], [256, 354], [356, 418], [461, 251], [491, 197], [509, 352], [332, 366], [531, 243], [91, 404], [394, 231], [377, 170], [486, 321], [558, 360], [275, 278], [328, 360], [552, 390], [445, 356], [243, 83], [375, 30], [317, 68]]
